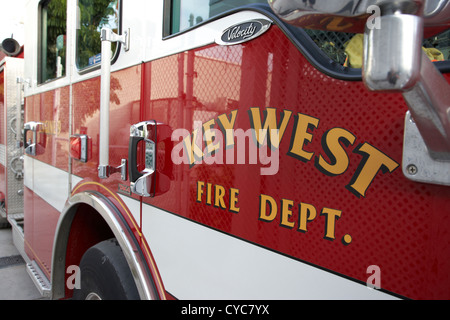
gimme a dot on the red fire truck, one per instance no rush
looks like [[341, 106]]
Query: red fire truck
[[230, 149]]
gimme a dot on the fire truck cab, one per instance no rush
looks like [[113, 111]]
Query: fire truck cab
[[235, 149]]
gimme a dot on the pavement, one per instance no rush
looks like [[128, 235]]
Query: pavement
[[15, 283]]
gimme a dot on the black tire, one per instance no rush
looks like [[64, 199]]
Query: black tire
[[105, 274], [4, 224], [3, 221]]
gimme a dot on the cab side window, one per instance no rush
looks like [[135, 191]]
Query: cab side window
[[437, 47], [187, 13], [52, 53], [347, 48], [92, 16]]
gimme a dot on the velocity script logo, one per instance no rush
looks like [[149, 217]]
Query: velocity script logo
[[243, 32]]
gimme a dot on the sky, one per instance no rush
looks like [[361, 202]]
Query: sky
[[12, 16]]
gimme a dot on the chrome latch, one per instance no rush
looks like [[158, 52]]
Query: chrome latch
[[142, 182], [106, 171], [108, 35], [31, 144]]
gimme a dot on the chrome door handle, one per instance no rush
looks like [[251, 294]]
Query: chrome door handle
[[30, 146], [141, 182]]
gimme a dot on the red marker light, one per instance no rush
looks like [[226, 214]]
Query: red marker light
[[75, 147], [80, 147]]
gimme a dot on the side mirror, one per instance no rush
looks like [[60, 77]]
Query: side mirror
[[351, 15], [393, 59], [10, 47]]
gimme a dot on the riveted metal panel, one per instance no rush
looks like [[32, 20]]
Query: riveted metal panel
[[13, 69]]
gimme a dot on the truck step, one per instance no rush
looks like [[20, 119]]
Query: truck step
[[18, 235], [39, 279]]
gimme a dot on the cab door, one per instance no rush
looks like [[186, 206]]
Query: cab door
[[124, 96], [46, 129]]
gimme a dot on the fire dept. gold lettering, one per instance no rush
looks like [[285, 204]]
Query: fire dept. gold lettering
[[215, 195], [299, 216], [284, 212]]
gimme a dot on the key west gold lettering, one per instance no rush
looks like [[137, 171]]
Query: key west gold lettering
[[216, 139]]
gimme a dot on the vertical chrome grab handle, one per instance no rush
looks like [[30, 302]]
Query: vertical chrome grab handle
[[107, 36]]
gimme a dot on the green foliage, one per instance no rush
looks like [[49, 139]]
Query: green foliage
[[94, 15], [53, 26]]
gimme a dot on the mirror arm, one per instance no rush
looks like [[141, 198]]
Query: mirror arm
[[395, 62], [429, 104]]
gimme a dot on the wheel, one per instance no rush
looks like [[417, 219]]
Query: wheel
[[4, 223], [105, 274]]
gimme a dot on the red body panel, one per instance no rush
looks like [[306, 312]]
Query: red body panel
[[41, 220], [366, 214], [51, 108], [125, 111], [398, 225]]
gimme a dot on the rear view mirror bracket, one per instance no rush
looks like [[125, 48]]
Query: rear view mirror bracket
[[393, 61]]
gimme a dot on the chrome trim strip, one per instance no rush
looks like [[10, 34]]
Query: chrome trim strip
[[135, 261]]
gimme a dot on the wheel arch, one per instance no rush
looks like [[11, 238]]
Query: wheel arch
[[105, 218]]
